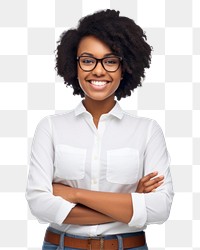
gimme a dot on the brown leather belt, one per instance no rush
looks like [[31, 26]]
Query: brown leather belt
[[96, 243]]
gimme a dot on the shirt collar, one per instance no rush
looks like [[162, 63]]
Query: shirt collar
[[115, 111]]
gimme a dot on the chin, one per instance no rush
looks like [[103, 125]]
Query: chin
[[98, 98]]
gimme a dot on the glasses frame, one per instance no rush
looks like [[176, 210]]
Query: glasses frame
[[97, 61]]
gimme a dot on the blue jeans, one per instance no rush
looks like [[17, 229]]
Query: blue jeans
[[49, 246]]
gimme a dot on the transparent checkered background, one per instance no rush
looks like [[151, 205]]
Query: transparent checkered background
[[30, 90]]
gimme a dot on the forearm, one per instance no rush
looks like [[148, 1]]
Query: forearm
[[81, 215], [115, 205]]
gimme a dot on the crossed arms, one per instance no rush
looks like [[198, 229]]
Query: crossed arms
[[94, 207]]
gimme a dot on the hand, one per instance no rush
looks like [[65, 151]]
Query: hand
[[149, 183], [66, 192]]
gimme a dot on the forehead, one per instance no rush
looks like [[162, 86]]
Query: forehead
[[94, 46]]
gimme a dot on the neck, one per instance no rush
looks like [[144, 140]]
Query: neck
[[98, 108]]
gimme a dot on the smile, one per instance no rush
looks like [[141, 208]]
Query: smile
[[98, 83]]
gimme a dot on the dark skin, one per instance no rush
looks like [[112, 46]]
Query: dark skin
[[90, 208]]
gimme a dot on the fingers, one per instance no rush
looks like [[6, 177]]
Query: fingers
[[152, 188], [150, 182], [153, 181], [148, 177]]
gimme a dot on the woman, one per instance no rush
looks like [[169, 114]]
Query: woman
[[97, 174]]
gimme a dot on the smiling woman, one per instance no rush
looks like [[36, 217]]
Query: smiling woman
[[96, 172], [96, 82]]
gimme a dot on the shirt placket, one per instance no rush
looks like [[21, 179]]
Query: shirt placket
[[96, 154], [96, 163]]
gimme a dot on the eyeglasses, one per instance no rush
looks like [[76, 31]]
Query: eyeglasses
[[109, 63]]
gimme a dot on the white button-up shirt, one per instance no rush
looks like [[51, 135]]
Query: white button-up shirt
[[69, 149]]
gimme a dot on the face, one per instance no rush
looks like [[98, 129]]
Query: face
[[97, 84]]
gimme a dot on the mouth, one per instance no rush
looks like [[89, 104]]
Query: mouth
[[98, 83]]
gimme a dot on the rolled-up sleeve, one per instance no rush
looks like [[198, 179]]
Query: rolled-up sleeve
[[46, 207], [154, 207]]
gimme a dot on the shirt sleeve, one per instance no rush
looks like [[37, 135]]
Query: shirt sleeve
[[154, 207], [46, 207]]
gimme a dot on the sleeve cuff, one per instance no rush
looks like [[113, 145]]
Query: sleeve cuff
[[62, 209], [139, 210]]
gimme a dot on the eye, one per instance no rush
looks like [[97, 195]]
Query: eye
[[111, 61], [87, 60]]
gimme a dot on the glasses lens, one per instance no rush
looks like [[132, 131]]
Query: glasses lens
[[87, 63], [111, 63]]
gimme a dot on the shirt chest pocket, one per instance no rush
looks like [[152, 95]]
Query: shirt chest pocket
[[69, 162], [123, 166]]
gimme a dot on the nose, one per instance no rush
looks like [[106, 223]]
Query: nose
[[98, 70]]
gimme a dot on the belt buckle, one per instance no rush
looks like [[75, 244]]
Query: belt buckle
[[90, 243]]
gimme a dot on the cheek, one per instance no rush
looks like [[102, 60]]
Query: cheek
[[118, 78], [81, 79], [118, 75], [81, 75]]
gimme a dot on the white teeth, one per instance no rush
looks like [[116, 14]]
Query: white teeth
[[98, 83]]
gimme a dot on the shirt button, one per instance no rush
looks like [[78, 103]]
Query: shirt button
[[94, 181], [95, 157]]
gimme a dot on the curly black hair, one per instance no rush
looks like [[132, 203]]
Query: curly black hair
[[122, 35]]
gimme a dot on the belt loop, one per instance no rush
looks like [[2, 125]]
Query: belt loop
[[120, 242], [89, 244], [102, 244], [61, 244]]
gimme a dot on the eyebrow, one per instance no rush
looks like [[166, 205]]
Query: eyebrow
[[89, 54]]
